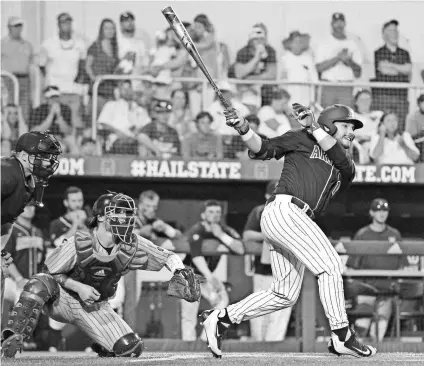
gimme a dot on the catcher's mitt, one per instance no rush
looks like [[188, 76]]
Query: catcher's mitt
[[185, 285]]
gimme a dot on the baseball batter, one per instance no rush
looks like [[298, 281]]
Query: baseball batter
[[82, 274], [316, 168]]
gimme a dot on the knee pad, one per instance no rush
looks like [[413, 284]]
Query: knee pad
[[43, 287], [130, 345]]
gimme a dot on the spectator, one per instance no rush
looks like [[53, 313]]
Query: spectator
[[257, 60], [378, 230], [149, 226], [236, 148], [17, 57], [55, 116], [26, 245], [271, 327], [415, 125], [223, 60], [203, 35], [362, 103], [217, 110], [204, 143], [13, 123], [133, 53], [102, 59], [338, 59], [181, 118], [213, 290], [164, 52], [392, 65], [122, 121], [61, 60], [89, 147], [274, 117], [162, 86], [391, 146], [162, 139], [298, 66]]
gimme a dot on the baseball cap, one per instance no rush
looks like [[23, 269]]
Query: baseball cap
[[126, 15], [14, 21], [63, 17], [379, 204], [161, 105], [390, 22], [258, 31], [338, 16], [51, 91]]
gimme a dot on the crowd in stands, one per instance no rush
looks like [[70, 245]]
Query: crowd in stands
[[165, 115]]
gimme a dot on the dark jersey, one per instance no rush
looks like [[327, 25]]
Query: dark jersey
[[196, 235], [16, 192], [26, 246], [309, 173], [254, 223]]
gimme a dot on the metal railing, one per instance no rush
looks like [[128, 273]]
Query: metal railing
[[15, 82]]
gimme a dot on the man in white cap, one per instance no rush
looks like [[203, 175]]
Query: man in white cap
[[16, 58]]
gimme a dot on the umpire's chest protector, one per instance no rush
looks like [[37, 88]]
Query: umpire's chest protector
[[101, 271]]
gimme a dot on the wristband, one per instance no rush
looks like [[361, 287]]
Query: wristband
[[319, 134], [248, 135]]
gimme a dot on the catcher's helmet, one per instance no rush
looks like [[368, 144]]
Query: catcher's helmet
[[43, 149], [120, 213], [337, 113]]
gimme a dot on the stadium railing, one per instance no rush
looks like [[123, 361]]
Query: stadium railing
[[12, 86]]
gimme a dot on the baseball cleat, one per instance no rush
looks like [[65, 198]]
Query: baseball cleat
[[351, 346], [210, 323], [11, 345]]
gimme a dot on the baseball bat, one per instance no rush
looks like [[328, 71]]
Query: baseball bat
[[182, 34]]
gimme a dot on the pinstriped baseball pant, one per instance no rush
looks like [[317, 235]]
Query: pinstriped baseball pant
[[99, 321], [295, 241]]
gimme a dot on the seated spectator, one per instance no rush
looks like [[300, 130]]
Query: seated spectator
[[102, 59], [377, 230], [338, 59], [162, 86], [13, 123], [217, 110], [178, 62], [298, 66], [391, 146], [122, 121], [55, 116], [181, 118], [162, 139], [210, 226], [257, 60], [275, 117], [415, 125], [235, 148], [61, 59], [204, 143], [164, 52], [392, 65]]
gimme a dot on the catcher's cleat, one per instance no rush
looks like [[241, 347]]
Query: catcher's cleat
[[11, 345], [350, 346], [214, 330], [101, 351]]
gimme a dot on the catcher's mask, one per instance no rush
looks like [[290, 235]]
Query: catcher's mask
[[120, 213], [43, 150]]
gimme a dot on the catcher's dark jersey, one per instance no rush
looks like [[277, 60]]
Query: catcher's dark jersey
[[309, 173], [82, 258], [16, 192]]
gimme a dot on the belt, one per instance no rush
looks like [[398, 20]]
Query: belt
[[298, 202]]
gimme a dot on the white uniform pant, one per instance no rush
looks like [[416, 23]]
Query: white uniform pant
[[273, 326], [217, 297], [295, 241]]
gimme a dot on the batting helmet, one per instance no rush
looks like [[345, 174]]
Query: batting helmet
[[337, 113]]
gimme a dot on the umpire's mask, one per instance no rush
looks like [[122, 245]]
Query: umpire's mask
[[120, 215]]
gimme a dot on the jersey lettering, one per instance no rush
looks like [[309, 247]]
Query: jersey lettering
[[318, 153]]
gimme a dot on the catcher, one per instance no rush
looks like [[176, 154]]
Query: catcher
[[82, 274]]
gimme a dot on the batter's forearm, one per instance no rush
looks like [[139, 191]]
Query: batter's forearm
[[325, 141]]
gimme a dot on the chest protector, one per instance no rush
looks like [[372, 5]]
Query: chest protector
[[100, 271]]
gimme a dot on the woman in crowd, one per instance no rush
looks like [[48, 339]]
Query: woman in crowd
[[181, 118], [12, 126], [390, 146], [102, 59]]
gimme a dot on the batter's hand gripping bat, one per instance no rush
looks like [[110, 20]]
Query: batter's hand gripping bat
[[187, 42]]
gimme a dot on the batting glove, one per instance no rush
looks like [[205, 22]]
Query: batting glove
[[235, 120]]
